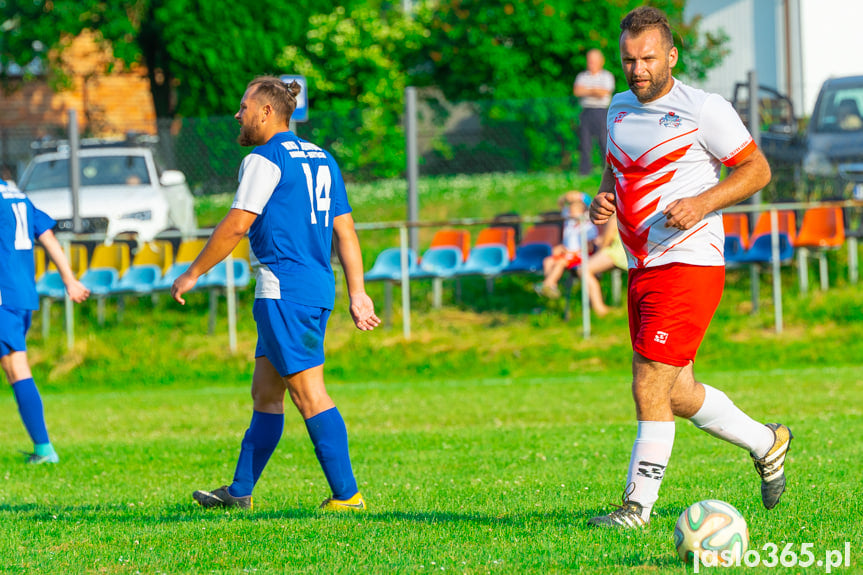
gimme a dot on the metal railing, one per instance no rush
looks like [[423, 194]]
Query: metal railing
[[775, 263], [405, 281]]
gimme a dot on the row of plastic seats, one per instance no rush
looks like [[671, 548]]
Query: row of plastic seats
[[450, 254], [112, 270], [822, 228]]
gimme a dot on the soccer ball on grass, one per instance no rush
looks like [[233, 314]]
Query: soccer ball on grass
[[713, 531]]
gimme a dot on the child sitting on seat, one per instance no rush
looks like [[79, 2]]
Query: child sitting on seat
[[568, 254]]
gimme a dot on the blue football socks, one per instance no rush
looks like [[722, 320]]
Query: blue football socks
[[32, 414], [258, 445], [330, 438]]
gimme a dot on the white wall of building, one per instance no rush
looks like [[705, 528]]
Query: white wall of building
[[794, 45], [736, 18], [831, 44]]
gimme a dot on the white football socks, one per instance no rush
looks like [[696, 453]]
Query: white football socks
[[650, 454], [719, 417]]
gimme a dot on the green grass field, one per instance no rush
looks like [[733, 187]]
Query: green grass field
[[463, 472], [482, 444]]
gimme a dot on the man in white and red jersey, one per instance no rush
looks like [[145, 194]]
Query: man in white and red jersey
[[666, 145]]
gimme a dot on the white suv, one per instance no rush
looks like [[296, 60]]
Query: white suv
[[122, 191]]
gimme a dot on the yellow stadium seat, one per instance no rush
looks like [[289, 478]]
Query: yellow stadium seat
[[189, 250], [158, 253], [39, 260], [77, 256], [114, 256], [242, 251]]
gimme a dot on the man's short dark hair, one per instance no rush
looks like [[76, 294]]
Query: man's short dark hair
[[281, 96], [646, 18]]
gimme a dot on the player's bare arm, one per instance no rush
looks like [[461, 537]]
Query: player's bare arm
[[749, 176], [225, 238], [362, 308], [77, 291], [602, 207]]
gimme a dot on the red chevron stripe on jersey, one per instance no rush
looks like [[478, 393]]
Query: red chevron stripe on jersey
[[633, 211]]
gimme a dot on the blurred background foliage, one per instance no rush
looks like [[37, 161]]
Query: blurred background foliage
[[512, 62]]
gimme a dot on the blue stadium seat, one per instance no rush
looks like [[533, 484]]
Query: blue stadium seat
[[217, 277], [140, 279], [528, 258], [761, 250], [734, 249], [439, 262], [175, 271], [100, 281], [485, 260], [51, 285], [388, 265]]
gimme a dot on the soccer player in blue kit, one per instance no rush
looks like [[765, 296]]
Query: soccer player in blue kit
[[291, 199], [20, 225]]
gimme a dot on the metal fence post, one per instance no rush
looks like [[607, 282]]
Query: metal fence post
[[585, 294], [777, 277], [230, 294], [74, 171], [616, 285], [755, 130], [803, 269], [406, 289], [412, 162], [70, 310]]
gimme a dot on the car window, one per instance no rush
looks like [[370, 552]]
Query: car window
[[840, 110], [95, 171]]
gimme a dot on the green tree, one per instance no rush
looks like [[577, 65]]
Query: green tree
[[354, 63], [480, 49], [522, 57], [199, 55]]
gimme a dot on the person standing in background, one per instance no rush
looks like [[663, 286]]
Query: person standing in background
[[594, 88]]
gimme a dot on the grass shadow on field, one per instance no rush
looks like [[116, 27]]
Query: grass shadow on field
[[188, 513], [177, 513]]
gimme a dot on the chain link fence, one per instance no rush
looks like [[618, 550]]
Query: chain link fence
[[493, 136]]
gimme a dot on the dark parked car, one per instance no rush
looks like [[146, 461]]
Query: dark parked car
[[829, 153], [834, 140]]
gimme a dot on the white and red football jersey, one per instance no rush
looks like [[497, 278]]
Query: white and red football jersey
[[665, 150]]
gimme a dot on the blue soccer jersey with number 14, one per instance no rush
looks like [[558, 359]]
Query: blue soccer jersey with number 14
[[297, 190], [20, 225]]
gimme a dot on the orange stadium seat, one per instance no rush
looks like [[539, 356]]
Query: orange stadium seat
[[504, 236], [453, 238], [737, 225], [821, 228], [786, 219], [542, 234]]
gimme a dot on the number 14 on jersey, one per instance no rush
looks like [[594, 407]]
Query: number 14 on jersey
[[319, 187]]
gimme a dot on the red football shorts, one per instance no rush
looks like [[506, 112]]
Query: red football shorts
[[670, 308]]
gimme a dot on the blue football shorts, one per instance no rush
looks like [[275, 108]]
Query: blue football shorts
[[290, 335], [14, 325]]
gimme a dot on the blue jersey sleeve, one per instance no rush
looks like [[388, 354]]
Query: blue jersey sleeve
[[338, 194], [42, 222]]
